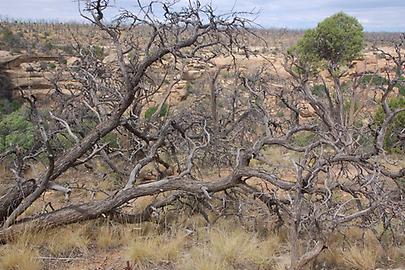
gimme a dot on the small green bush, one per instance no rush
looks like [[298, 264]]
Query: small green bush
[[377, 80], [401, 90], [62, 61], [280, 114], [304, 138], [189, 88], [401, 86], [98, 52], [62, 140], [16, 130], [373, 79], [319, 90], [151, 110], [348, 103], [51, 66], [391, 141], [112, 140], [8, 106]]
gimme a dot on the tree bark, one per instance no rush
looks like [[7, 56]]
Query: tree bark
[[14, 196], [309, 256], [94, 209]]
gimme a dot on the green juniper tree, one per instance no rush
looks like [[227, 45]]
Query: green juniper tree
[[336, 41]]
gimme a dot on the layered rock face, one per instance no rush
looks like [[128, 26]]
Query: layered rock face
[[38, 73], [33, 74]]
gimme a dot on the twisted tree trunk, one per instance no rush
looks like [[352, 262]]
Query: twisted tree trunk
[[14, 196], [94, 209]]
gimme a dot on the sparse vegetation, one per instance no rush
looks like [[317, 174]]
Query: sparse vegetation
[[11, 40]]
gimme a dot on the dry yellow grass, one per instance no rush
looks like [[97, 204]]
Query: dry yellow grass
[[156, 248], [228, 247], [200, 258], [68, 239], [224, 245], [361, 258], [396, 255], [240, 247], [129, 232], [107, 236], [282, 262], [358, 249], [22, 253], [18, 257]]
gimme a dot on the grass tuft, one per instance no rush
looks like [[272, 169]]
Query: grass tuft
[[107, 237], [200, 258], [68, 239], [227, 247], [19, 257], [360, 258], [156, 248]]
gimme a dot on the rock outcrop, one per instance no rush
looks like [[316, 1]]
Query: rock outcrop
[[31, 73]]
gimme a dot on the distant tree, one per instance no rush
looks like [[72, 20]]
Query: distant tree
[[337, 40]]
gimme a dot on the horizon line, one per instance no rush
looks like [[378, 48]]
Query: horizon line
[[6, 19]]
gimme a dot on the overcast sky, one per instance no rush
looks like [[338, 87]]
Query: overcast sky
[[375, 15]]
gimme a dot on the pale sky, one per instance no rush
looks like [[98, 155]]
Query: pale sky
[[375, 15]]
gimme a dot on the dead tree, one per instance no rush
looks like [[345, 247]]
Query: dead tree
[[342, 175], [109, 100], [332, 153]]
